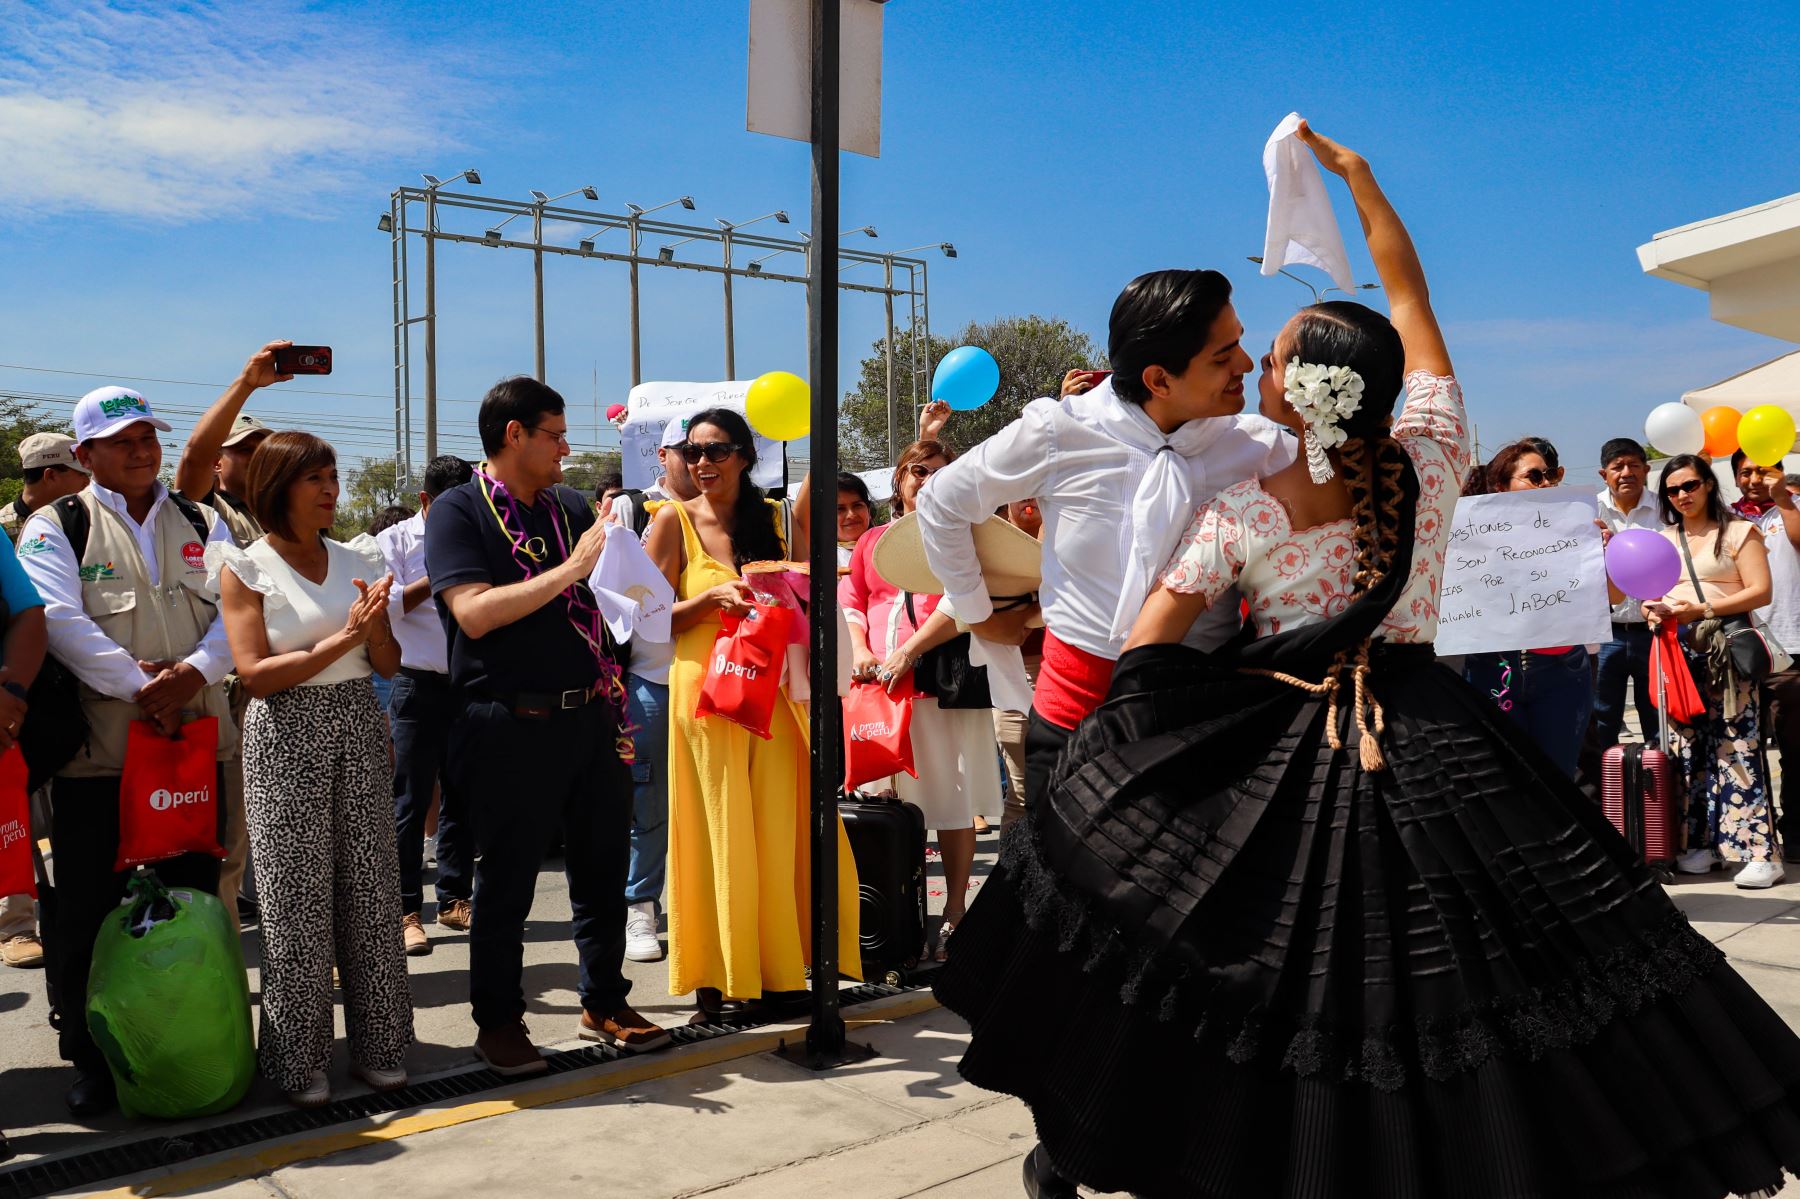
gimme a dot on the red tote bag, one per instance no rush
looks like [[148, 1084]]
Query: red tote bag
[[16, 874], [1678, 696], [743, 676], [168, 794], [877, 733]]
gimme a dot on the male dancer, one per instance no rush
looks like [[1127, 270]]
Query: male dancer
[[1118, 473]]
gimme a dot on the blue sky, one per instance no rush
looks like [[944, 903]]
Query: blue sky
[[183, 181]]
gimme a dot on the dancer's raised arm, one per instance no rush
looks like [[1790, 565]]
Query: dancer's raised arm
[[1396, 261]]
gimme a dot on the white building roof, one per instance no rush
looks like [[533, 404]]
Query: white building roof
[[1747, 261]]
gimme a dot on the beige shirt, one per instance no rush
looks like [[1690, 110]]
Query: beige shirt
[[1718, 571]]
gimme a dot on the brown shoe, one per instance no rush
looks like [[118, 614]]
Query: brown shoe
[[412, 932], [457, 914], [508, 1050], [24, 951], [624, 1028]]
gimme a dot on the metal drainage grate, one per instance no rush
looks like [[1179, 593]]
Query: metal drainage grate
[[154, 1152]]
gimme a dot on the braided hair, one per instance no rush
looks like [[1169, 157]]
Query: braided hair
[[1345, 333]]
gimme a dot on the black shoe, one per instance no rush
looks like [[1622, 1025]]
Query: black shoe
[[92, 1094], [1041, 1179]]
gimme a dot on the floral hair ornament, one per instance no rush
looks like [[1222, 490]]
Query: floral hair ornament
[[1323, 396]]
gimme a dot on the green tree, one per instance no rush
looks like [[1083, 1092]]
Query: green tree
[[1033, 353], [583, 471], [19, 420], [368, 489]]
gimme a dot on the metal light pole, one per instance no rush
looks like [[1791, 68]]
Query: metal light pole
[[1318, 294], [635, 212], [893, 398], [726, 229], [432, 183]]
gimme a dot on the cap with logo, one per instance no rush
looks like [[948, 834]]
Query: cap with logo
[[245, 426], [107, 411], [675, 432], [49, 449]]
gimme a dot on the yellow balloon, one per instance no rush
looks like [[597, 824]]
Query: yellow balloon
[[1766, 435], [779, 406]]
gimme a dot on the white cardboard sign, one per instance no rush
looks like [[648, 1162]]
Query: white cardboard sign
[[651, 406], [780, 91], [1523, 570]]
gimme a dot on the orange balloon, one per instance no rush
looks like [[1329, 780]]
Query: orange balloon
[[1721, 431]]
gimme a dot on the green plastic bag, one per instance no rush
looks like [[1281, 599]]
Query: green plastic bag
[[168, 1004]]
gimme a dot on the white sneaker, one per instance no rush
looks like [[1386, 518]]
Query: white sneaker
[[1697, 861], [1760, 874], [380, 1080], [641, 944], [316, 1093]]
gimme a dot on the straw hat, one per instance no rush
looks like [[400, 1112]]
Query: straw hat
[[1011, 559]]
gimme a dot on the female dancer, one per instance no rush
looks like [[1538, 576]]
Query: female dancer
[[1377, 941]]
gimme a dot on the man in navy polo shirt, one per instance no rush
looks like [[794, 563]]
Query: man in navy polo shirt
[[539, 739]]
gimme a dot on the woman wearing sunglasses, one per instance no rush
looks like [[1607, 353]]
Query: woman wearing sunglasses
[[1729, 819], [953, 749], [739, 806], [1548, 692]]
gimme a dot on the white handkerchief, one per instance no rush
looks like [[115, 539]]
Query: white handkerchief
[[634, 597], [1302, 227], [1007, 681]]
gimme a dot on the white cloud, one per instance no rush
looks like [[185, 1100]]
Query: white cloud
[[177, 112]]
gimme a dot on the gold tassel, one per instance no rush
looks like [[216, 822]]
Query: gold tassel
[[1369, 749]]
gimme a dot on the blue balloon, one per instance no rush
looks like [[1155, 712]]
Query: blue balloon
[[967, 377]]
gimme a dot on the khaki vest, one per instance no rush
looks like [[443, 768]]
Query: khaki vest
[[154, 623], [245, 528]]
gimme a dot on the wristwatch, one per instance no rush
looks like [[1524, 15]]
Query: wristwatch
[[18, 689]]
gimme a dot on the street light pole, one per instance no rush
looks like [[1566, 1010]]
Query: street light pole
[[537, 281], [637, 372], [887, 347], [432, 183], [730, 330]]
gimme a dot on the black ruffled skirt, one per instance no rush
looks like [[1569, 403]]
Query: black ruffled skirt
[[1450, 979]]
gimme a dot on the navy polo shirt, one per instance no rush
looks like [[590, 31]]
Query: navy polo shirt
[[464, 544]]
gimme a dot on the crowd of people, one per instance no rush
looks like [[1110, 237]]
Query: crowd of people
[[1258, 833]]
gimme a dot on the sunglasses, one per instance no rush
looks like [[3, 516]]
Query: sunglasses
[[1687, 488], [921, 471], [713, 451], [1536, 477]]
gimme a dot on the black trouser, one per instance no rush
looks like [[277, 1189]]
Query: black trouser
[[423, 707], [1782, 725], [1043, 745], [525, 779], [84, 842]]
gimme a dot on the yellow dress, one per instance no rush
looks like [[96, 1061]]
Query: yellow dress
[[740, 818]]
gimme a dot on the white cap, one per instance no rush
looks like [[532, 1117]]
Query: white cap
[[675, 432], [105, 411]]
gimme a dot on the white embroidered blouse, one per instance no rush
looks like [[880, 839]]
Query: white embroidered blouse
[[1292, 577]]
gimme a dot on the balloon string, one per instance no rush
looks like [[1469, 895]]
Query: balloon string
[[1505, 690]]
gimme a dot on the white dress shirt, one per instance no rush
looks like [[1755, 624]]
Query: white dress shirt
[[420, 632], [1629, 611], [1782, 614], [75, 639], [1084, 481]]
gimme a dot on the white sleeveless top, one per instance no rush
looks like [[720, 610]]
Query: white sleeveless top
[[298, 613]]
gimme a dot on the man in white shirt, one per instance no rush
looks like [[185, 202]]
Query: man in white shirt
[[647, 692], [422, 707], [1625, 503], [1118, 474], [122, 571], [1769, 503]]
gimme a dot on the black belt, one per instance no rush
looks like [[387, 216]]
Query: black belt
[[1622, 627], [436, 678], [541, 705]]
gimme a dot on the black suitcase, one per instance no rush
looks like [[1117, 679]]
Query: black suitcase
[[887, 838]]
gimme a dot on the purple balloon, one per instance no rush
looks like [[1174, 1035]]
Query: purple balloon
[[1643, 564]]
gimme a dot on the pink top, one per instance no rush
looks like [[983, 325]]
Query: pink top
[[874, 603], [1293, 577]]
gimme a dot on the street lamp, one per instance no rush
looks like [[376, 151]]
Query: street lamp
[[1318, 295], [869, 229], [893, 399], [637, 211], [948, 249], [755, 266], [726, 229], [432, 183]]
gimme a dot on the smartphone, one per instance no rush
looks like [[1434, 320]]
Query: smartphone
[[1094, 377], [303, 360]]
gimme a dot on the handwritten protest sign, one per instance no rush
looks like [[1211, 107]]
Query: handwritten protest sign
[[1523, 570], [651, 406]]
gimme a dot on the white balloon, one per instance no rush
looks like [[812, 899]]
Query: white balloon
[[1675, 429]]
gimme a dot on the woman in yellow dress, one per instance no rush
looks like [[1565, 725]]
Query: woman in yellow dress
[[739, 807]]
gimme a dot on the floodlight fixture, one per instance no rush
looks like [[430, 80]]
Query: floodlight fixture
[[869, 229], [780, 216], [586, 193], [686, 202], [1318, 294], [432, 182], [949, 250], [386, 223]]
